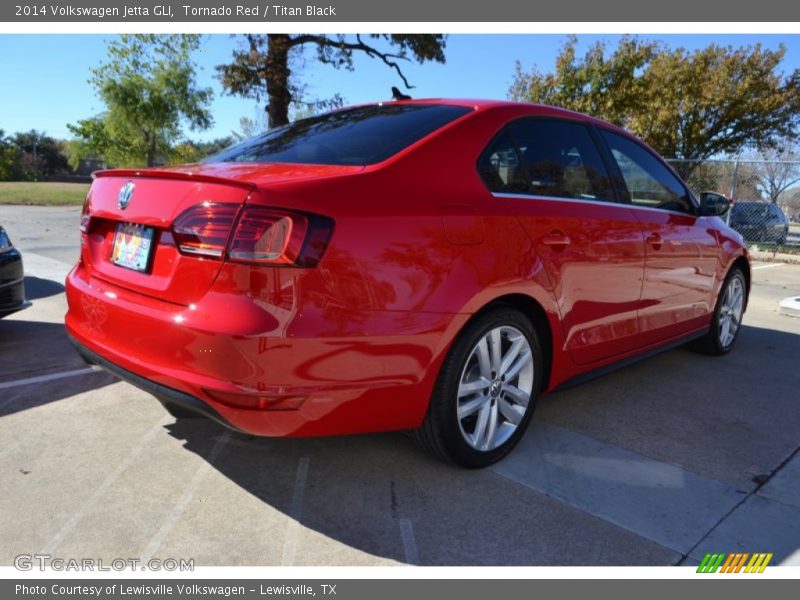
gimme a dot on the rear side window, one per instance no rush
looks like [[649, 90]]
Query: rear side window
[[358, 136], [500, 167], [649, 182]]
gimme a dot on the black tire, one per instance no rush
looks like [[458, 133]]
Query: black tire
[[441, 432], [711, 343]]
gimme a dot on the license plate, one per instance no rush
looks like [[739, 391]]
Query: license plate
[[132, 246]]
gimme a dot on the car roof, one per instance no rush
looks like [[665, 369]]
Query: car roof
[[530, 108]]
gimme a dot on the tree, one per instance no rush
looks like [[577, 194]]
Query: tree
[[30, 155], [263, 68], [689, 105], [779, 171], [791, 205], [41, 154], [92, 139], [10, 167], [249, 127], [191, 151], [149, 88]]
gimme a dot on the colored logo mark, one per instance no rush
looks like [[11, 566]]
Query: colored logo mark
[[735, 562]]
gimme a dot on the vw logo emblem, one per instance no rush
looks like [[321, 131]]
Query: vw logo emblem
[[125, 195]]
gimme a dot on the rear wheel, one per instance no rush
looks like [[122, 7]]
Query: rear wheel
[[727, 319], [486, 391]]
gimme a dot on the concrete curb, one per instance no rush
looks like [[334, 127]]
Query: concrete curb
[[790, 306], [780, 257]]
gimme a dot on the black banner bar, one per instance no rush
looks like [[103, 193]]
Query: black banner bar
[[469, 11], [730, 588]]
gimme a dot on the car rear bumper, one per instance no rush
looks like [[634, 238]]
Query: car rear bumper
[[163, 393], [257, 367], [12, 283]]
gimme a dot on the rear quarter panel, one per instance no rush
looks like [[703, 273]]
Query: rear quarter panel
[[418, 234]]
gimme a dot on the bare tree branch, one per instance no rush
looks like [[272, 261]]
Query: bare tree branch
[[388, 58]]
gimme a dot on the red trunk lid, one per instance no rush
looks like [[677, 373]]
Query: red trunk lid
[[159, 197], [156, 202]]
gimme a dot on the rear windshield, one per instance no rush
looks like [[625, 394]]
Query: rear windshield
[[358, 136]]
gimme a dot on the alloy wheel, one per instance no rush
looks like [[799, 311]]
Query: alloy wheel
[[730, 313], [495, 388]]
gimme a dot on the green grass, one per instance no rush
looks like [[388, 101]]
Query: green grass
[[781, 249], [32, 193]]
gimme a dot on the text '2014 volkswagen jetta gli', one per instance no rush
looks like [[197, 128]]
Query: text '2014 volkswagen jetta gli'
[[432, 265]]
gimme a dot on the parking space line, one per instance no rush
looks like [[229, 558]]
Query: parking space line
[[409, 542], [769, 266], [86, 506], [659, 501], [183, 503], [249, 444], [295, 512], [6, 385]]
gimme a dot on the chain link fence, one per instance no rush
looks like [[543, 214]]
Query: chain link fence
[[766, 194]]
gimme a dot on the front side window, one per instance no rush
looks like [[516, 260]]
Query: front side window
[[649, 182], [363, 135]]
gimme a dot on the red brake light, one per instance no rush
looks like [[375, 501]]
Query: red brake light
[[279, 237], [203, 230], [267, 236]]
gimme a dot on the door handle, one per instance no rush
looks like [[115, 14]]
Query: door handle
[[556, 238], [655, 240]]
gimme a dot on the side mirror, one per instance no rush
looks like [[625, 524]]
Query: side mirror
[[713, 204]]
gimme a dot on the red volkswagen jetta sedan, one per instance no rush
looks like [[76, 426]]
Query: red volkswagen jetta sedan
[[432, 265]]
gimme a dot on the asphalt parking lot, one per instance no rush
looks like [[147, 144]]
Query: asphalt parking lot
[[655, 464]]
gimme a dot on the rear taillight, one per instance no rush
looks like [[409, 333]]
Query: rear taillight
[[261, 235], [203, 230], [264, 235], [271, 236]]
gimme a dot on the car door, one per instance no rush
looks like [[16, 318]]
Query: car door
[[550, 174], [681, 250]]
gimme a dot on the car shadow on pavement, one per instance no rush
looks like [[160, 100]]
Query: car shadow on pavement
[[380, 495], [36, 288], [32, 349]]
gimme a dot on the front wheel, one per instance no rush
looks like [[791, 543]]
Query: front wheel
[[727, 318], [486, 390]]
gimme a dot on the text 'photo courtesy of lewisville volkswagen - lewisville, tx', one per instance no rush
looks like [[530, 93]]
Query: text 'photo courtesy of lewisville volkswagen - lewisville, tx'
[[364, 301]]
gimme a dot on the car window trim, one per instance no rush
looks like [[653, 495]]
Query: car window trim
[[528, 196], [607, 148], [505, 129]]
